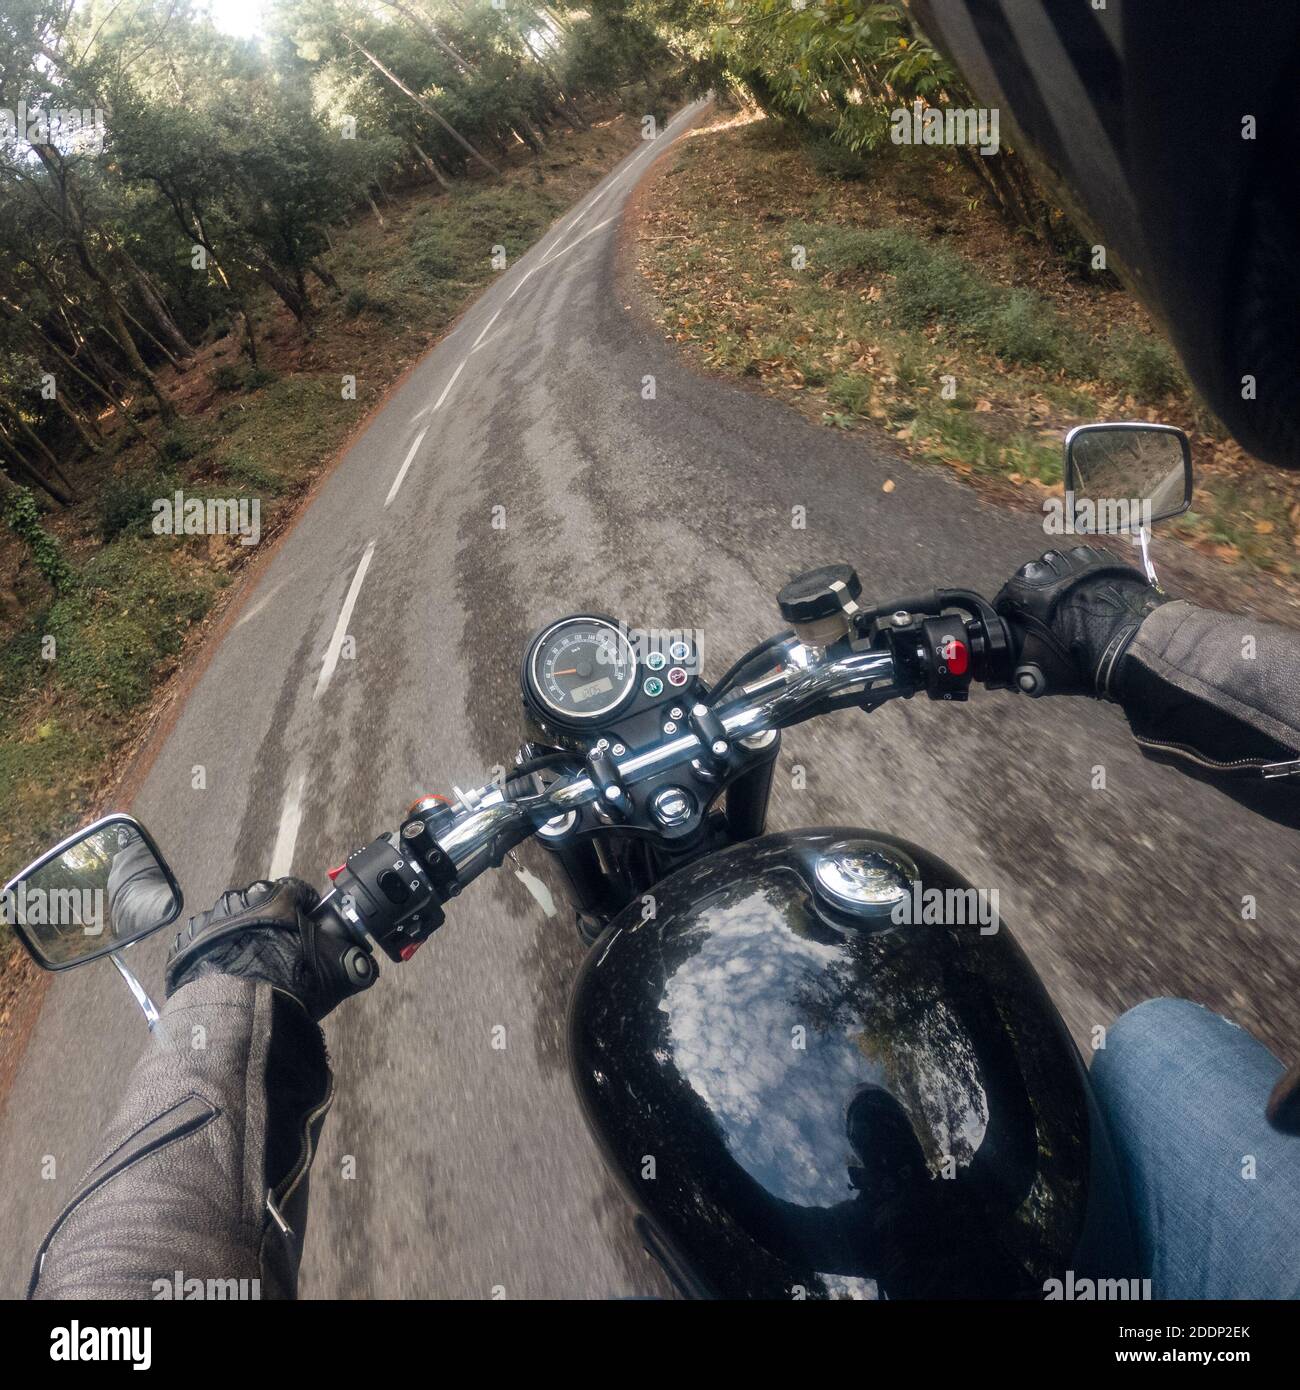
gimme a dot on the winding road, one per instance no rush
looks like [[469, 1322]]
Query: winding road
[[518, 473]]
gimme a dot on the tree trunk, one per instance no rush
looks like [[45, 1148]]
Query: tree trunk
[[422, 21], [241, 304], [28, 470], [153, 338], [122, 335], [529, 134], [42, 449], [571, 112], [323, 275], [978, 167], [434, 172], [294, 297], [175, 340], [79, 428], [94, 382], [422, 104], [74, 226]]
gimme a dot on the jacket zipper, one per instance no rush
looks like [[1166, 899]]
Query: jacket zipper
[[1266, 770]]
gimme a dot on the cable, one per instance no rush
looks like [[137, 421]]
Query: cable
[[749, 657]]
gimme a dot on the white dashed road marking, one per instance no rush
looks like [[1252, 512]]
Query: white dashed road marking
[[401, 472], [341, 627], [290, 819], [486, 326]]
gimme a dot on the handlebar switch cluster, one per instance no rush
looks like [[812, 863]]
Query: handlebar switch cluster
[[392, 895], [947, 654], [936, 654]]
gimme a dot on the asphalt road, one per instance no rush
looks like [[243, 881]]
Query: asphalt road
[[473, 1172]]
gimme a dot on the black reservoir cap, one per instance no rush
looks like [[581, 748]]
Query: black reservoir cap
[[819, 593]]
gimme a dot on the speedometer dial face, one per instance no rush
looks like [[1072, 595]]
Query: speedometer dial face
[[583, 669]]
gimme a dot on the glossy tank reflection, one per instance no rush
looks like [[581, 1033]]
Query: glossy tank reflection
[[807, 1104]]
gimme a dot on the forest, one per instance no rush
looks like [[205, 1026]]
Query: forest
[[158, 177]]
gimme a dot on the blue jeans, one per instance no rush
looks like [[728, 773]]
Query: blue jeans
[[1184, 1092]]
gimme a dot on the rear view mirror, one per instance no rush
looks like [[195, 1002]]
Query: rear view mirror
[[1123, 477], [101, 889]]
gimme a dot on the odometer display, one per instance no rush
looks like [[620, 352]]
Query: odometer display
[[582, 669]]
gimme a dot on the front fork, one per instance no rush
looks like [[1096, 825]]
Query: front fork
[[748, 795]]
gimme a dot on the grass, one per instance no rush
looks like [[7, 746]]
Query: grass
[[73, 676], [914, 310], [928, 286], [78, 671]]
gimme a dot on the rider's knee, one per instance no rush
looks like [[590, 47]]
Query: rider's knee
[[1155, 1048], [1152, 1042]]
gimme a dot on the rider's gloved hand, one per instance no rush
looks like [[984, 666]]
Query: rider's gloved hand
[[1073, 614], [264, 932]]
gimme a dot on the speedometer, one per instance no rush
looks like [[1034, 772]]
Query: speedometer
[[581, 669]]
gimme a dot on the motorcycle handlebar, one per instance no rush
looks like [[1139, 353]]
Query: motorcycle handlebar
[[392, 889]]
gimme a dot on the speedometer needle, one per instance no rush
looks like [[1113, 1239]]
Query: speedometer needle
[[572, 671]]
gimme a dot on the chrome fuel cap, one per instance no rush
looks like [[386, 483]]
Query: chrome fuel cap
[[865, 877]]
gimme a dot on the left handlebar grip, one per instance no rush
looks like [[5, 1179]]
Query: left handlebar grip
[[350, 966]]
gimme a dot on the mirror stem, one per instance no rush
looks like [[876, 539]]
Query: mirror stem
[[137, 989], [1144, 537]]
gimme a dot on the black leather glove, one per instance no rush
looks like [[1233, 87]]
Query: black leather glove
[[1073, 615], [264, 932]]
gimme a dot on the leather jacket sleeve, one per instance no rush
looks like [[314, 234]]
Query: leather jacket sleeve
[[139, 896], [1218, 696], [202, 1175]]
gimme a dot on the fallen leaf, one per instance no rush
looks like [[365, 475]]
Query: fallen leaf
[[888, 485], [1264, 528]]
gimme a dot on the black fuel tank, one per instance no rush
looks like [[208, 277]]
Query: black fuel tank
[[805, 1099]]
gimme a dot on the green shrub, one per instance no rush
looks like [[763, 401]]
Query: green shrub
[[852, 392], [126, 504], [835, 161], [482, 218], [179, 444], [932, 285], [1140, 364], [133, 609], [242, 468], [434, 256], [23, 518], [230, 376], [1024, 328]]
